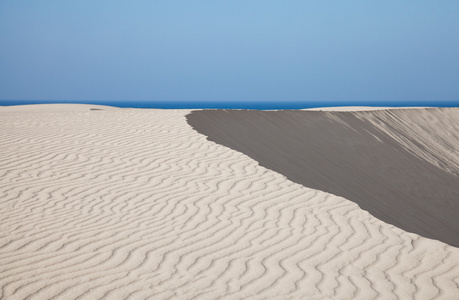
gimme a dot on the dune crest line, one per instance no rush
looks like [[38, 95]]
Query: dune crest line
[[135, 204]]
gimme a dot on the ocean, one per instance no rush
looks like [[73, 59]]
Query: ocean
[[256, 105]]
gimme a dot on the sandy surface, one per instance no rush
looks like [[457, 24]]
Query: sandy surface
[[359, 108], [59, 107], [135, 204]]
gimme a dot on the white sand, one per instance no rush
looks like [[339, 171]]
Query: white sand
[[55, 107], [135, 204], [359, 108]]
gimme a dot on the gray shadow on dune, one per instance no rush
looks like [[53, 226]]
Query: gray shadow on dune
[[339, 153]]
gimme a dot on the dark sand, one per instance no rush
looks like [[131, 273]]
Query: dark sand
[[345, 154]]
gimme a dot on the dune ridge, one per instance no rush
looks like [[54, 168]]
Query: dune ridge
[[135, 204]]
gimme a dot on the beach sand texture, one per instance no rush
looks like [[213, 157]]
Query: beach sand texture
[[136, 204]]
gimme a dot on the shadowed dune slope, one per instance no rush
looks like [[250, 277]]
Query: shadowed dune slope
[[400, 165]]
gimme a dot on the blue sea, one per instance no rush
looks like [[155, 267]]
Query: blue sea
[[256, 105]]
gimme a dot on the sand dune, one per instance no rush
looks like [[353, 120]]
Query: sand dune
[[135, 204], [400, 165]]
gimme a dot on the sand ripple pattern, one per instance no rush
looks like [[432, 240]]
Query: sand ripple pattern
[[134, 204]]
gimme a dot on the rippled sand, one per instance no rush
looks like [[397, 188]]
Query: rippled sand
[[136, 204]]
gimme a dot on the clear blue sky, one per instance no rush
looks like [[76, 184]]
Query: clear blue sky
[[229, 50]]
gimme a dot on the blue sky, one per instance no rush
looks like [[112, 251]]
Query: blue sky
[[229, 50]]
